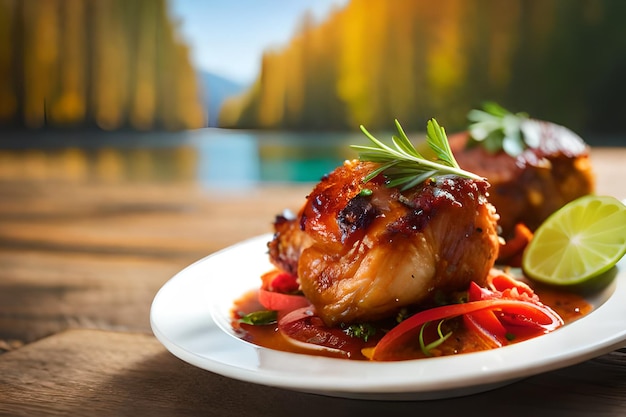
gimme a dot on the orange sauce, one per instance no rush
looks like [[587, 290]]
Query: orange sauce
[[268, 335], [570, 306]]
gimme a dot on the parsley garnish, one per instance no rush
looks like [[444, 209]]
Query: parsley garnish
[[497, 129], [362, 330]]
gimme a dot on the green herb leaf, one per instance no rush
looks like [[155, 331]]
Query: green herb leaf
[[497, 129], [362, 330], [258, 318], [438, 142], [403, 165]]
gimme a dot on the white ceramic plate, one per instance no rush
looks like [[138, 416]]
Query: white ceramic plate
[[190, 316]]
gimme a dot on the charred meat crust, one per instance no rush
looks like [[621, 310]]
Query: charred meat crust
[[357, 215]]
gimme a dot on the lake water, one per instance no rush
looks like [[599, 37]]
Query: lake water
[[246, 157], [213, 157]]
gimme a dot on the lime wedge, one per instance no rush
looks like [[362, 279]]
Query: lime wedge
[[582, 240]]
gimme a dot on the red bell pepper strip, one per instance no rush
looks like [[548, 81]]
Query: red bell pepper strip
[[281, 302], [490, 326], [486, 324], [510, 253], [540, 317], [279, 281], [502, 282], [278, 292], [303, 327]]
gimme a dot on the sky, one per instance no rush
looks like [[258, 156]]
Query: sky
[[228, 38]]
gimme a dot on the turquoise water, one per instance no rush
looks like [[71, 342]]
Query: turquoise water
[[248, 157]]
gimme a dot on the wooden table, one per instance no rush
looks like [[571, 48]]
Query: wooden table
[[81, 263]]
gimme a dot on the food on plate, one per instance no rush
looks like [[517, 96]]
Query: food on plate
[[534, 167], [392, 257]]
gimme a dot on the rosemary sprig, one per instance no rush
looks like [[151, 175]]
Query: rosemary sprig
[[403, 165]]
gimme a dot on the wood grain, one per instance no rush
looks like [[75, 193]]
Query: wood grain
[[160, 220], [94, 256]]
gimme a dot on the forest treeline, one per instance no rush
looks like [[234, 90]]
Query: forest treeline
[[109, 64], [373, 61]]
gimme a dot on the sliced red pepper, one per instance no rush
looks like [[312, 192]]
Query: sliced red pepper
[[281, 302], [526, 312], [476, 293], [279, 292], [501, 282], [303, 326], [486, 324], [510, 253], [495, 329], [280, 281]]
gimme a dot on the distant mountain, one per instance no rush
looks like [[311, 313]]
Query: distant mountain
[[215, 90]]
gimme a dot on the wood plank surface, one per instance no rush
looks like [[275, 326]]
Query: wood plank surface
[[609, 166], [85, 256], [100, 373], [154, 219]]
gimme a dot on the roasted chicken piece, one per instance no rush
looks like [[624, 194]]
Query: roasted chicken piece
[[362, 251], [530, 185]]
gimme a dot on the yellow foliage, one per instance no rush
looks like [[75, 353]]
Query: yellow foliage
[[373, 61], [40, 68], [8, 96], [110, 63], [445, 58], [272, 91]]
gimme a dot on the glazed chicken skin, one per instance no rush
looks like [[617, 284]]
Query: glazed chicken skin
[[362, 251]]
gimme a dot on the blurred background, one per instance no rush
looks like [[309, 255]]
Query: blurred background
[[241, 92]]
